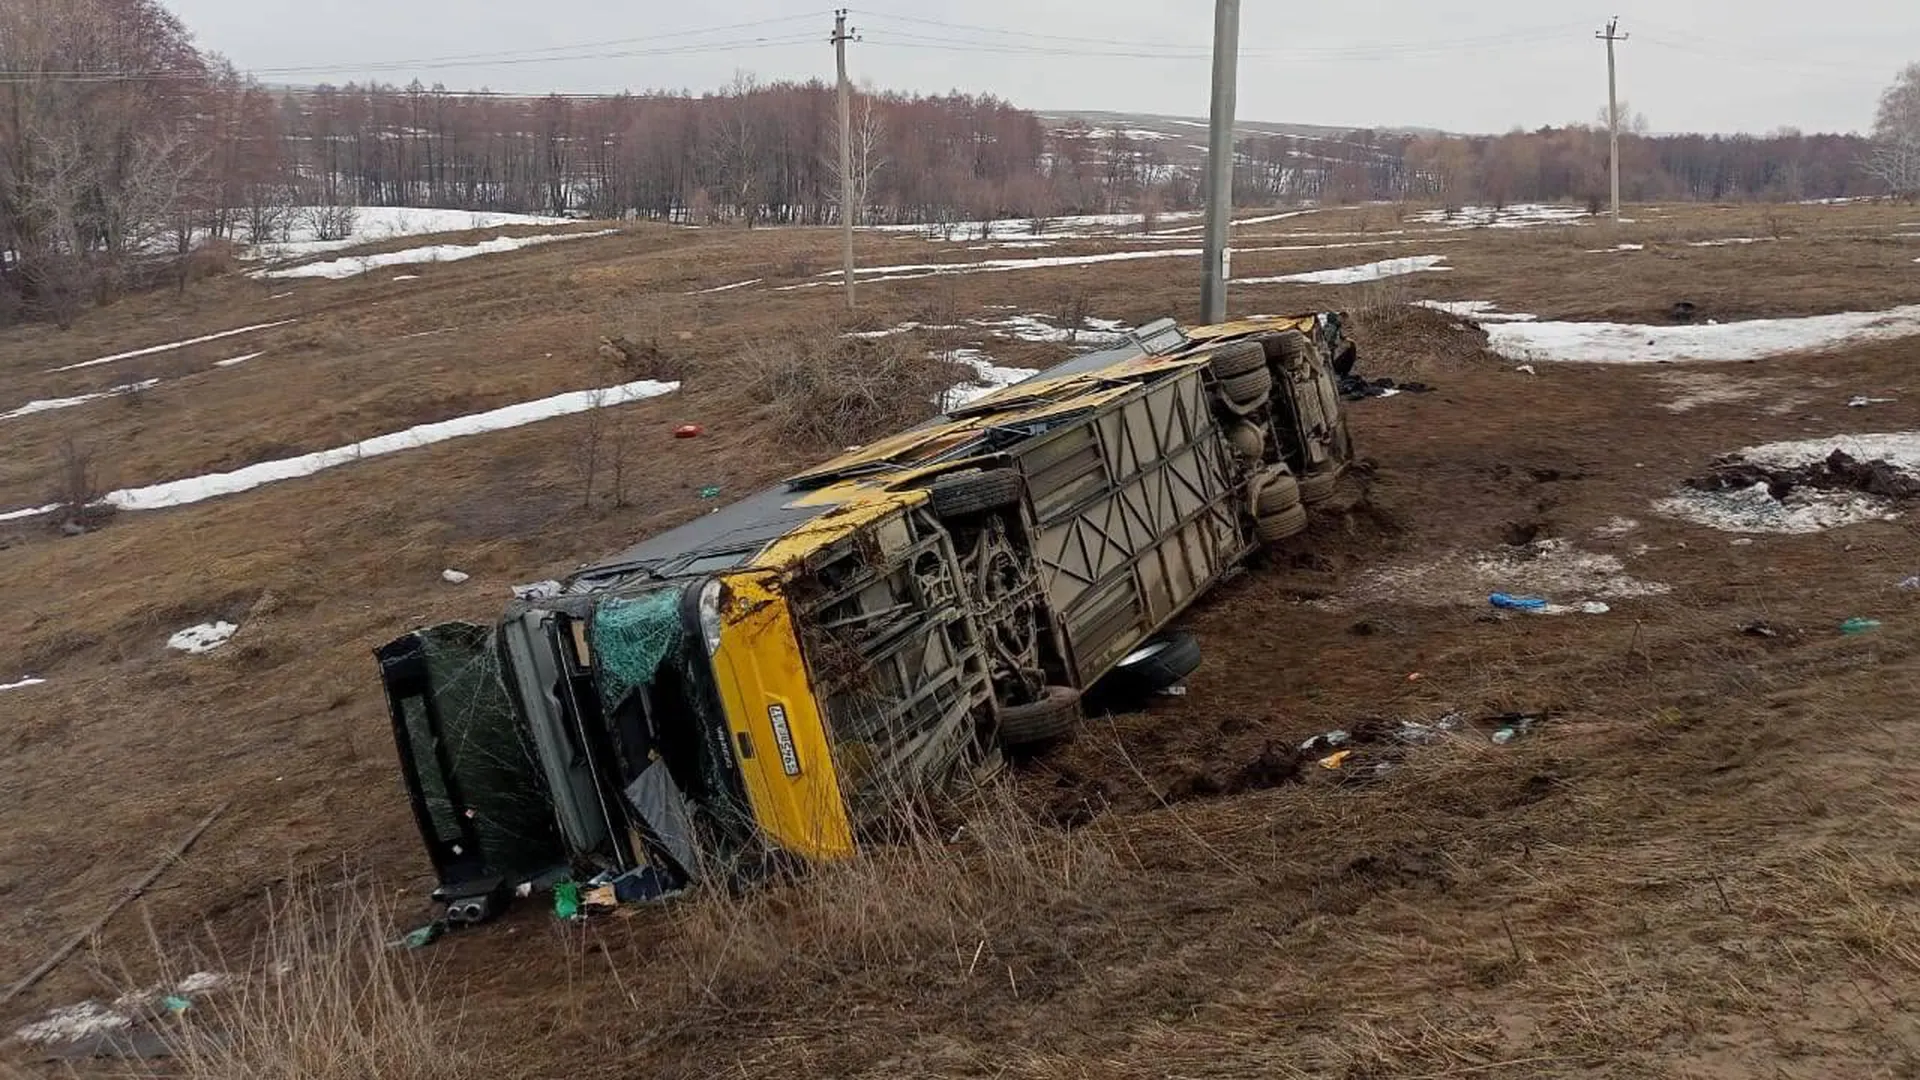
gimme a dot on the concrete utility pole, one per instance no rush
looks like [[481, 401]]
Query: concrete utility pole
[[1226, 62], [1610, 35], [840, 38]]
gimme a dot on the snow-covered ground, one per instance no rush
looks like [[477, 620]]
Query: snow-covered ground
[[236, 361], [195, 489], [170, 346], [1352, 275], [372, 224], [52, 404], [1241, 222], [1805, 510], [726, 288], [1520, 216], [1476, 310], [1731, 241], [1072, 227], [1623, 343], [203, 638], [354, 265], [1616, 249], [988, 377]]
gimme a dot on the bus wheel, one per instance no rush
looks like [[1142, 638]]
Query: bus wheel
[[1050, 719]]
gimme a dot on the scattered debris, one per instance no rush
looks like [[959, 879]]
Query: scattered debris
[[1356, 387], [689, 431], [1908, 583], [22, 683], [1526, 369], [455, 577], [1517, 603], [203, 638], [1328, 741], [1760, 629], [711, 491], [1858, 625], [1616, 526], [537, 590], [566, 900], [1334, 761], [1861, 401], [1514, 726]]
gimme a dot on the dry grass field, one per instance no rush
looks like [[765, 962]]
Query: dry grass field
[[1699, 864]]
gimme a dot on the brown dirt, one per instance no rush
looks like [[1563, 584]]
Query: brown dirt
[[1698, 866]]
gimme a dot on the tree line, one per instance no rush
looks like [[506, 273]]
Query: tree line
[[124, 150]]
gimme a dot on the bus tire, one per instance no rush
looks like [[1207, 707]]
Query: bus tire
[[1237, 358], [1049, 720], [969, 494]]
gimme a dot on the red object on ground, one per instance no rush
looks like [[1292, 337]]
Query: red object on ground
[[688, 431]]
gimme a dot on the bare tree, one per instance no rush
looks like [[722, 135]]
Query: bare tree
[[1895, 158]]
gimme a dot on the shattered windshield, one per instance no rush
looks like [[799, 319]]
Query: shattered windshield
[[665, 722]]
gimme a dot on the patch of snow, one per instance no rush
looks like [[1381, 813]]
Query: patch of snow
[[22, 683], [908, 327], [726, 288], [1616, 248], [375, 223], [988, 377], [1731, 240], [1071, 227], [1521, 216], [1901, 449], [1553, 569], [73, 1022], [1618, 526], [1861, 401], [1038, 328], [1477, 310], [406, 277], [1350, 275], [51, 404], [237, 360], [1262, 220], [355, 265], [201, 982], [171, 346], [195, 489], [1753, 510], [1620, 343], [203, 638], [455, 577]]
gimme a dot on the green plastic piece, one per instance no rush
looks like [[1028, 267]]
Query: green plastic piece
[[566, 900]]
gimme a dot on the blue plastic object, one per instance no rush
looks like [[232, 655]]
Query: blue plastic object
[[1516, 603]]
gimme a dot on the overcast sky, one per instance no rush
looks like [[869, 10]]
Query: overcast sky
[[1481, 66]]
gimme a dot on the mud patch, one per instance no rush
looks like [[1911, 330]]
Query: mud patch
[[1552, 568]]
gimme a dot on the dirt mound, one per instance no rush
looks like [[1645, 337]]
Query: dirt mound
[[1839, 472]]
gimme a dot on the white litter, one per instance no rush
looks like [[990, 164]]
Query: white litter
[[238, 360], [51, 404], [726, 288], [455, 577], [1351, 275], [988, 377], [1616, 248], [203, 638], [172, 345], [1861, 401], [201, 982], [22, 684], [1620, 343], [355, 265], [1526, 369], [195, 489], [406, 277]]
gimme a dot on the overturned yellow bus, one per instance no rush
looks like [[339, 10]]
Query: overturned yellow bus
[[768, 683]]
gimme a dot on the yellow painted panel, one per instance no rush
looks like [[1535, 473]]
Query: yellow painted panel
[[790, 780]]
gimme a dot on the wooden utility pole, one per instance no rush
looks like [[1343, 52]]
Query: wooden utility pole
[[840, 39], [1610, 35]]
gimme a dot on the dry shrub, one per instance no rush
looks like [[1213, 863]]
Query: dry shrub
[[324, 996], [823, 390], [948, 904], [217, 257], [77, 488]]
